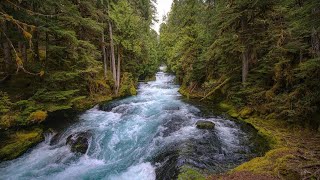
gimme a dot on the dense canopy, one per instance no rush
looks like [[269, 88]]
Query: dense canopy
[[260, 54]]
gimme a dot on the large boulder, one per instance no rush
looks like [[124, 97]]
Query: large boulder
[[79, 142], [201, 124]]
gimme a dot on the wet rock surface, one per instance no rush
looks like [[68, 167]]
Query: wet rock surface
[[79, 142], [201, 124]]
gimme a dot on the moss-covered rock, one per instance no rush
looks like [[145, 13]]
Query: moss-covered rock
[[188, 173], [79, 142], [274, 162], [201, 124], [19, 142]]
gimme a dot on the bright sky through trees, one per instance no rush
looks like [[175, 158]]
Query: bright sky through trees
[[163, 7]]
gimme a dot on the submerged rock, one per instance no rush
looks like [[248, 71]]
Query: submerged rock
[[205, 124], [79, 142]]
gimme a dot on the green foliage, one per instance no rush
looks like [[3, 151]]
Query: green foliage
[[127, 87], [206, 42], [63, 41], [5, 102]]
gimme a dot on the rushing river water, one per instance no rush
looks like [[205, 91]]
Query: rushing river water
[[148, 136]]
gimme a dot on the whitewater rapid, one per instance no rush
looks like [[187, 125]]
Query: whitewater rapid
[[143, 137]]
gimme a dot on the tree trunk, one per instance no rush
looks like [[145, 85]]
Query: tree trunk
[[7, 55], [36, 45], [245, 65], [20, 47], [6, 50], [104, 55], [245, 54], [118, 70], [113, 59], [315, 42], [24, 52], [47, 46]]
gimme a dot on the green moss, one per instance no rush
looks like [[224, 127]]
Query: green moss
[[246, 112], [231, 110], [150, 78], [185, 92], [272, 163], [225, 106], [205, 125], [89, 102], [188, 173], [20, 142]]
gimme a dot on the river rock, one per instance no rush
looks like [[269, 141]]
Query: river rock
[[201, 124], [79, 142]]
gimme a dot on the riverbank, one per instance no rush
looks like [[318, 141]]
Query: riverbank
[[18, 140], [294, 154]]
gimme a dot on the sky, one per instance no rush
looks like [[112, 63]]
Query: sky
[[163, 7]]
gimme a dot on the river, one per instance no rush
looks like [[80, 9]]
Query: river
[[148, 136]]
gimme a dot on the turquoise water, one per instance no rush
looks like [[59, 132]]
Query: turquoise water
[[148, 136]]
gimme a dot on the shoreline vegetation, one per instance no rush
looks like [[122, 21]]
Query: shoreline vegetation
[[259, 63], [18, 140], [61, 55], [294, 150], [15, 141]]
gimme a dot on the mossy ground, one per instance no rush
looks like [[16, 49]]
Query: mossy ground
[[294, 151], [294, 154], [188, 173], [16, 143]]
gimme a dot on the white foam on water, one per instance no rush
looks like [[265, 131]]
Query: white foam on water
[[144, 171], [123, 139]]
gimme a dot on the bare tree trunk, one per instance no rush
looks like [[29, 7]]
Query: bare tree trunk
[[113, 59], [109, 57], [245, 65], [104, 55], [118, 70], [245, 54]]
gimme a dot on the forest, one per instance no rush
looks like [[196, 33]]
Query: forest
[[254, 62], [263, 55], [71, 54]]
